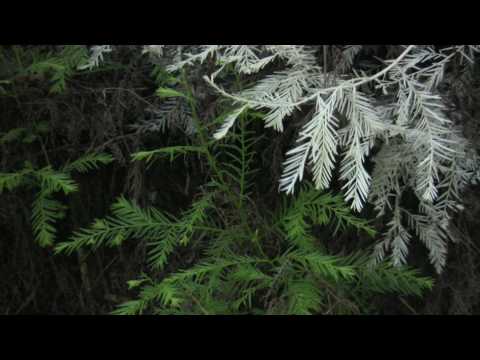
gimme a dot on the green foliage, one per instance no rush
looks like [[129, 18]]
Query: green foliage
[[172, 152], [322, 208], [2, 84], [10, 181], [89, 162], [168, 93], [54, 181], [46, 210], [13, 135], [249, 261], [60, 67], [127, 220], [305, 296], [208, 233], [314, 207], [162, 231], [387, 278], [25, 135], [239, 153], [163, 77]]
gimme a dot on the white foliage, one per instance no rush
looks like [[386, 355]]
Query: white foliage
[[204, 54], [358, 138], [96, 56], [318, 142], [228, 123], [278, 91], [154, 49], [399, 238], [349, 53], [432, 142]]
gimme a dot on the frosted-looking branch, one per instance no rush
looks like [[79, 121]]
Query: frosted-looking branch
[[351, 83]]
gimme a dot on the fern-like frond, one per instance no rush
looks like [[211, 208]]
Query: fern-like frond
[[179, 232], [358, 136], [387, 278], [172, 113], [166, 294], [200, 271], [228, 123], [349, 53], [324, 208], [247, 273], [297, 227], [96, 56], [89, 162], [305, 297], [318, 141], [399, 238], [13, 135], [326, 266], [205, 52], [10, 181], [172, 152], [127, 221], [433, 232], [196, 216], [278, 89], [54, 181], [434, 135], [60, 67], [387, 176], [237, 157], [45, 211]]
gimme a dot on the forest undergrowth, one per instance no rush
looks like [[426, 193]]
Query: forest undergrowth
[[202, 180]]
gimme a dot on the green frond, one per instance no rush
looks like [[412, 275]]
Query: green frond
[[132, 307], [162, 232], [313, 207], [326, 266], [180, 232], [88, 163], [324, 208], [13, 135], [238, 154], [162, 248], [295, 221], [194, 217], [10, 181], [59, 68], [168, 93], [387, 278], [54, 181], [304, 297], [198, 272], [165, 293], [171, 152], [275, 263], [223, 242], [229, 122], [45, 211], [245, 299], [247, 273], [127, 221]]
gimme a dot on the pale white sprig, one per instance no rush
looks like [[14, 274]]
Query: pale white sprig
[[228, 123], [96, 56]]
